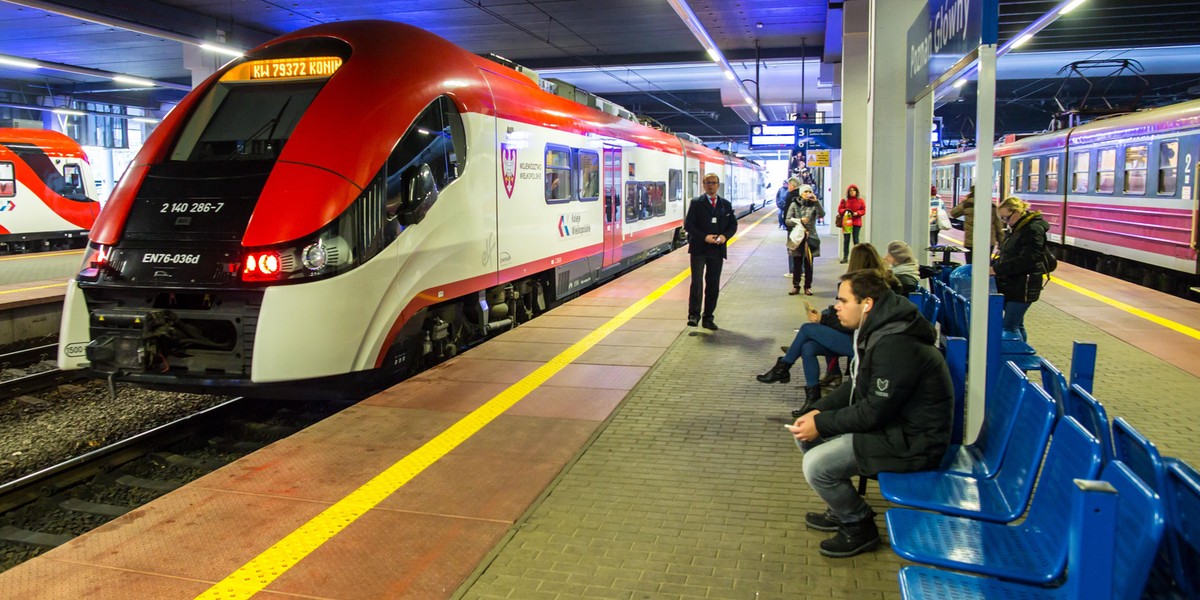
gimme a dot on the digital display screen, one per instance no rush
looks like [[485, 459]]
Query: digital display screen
[[274, 69], [773, 134]]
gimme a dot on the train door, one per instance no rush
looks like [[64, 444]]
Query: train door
[[612, 205]]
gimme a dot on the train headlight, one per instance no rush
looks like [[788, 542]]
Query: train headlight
[[314, 257]]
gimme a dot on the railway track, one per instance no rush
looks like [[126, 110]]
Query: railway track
[[24, 377], [47, 508]]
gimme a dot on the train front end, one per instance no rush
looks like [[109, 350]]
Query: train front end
[[236, 254]]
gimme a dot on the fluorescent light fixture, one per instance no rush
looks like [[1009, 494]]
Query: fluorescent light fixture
[[1021, 40], [1070, 7], [729, 75], [133, 80], [961, 82], [144, 120], [221, 50], [714, 54], [68, 112], [17, 62]]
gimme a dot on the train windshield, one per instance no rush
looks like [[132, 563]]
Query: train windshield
[[245, 121]]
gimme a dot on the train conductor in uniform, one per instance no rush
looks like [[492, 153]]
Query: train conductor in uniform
[[710, 223]]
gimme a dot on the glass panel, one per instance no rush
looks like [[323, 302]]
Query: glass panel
[[8, 180], [1135, 169], [1168, 156], [1079, 172], [589, 175], [558, 175], [1035, 165], [1051, 174], [1106, 166]]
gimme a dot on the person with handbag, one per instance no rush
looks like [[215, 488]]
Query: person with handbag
[[938, 219], [804, 243], [849, 218]]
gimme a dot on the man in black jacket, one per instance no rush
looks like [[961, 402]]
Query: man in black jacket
[[894, 413], [710, 223]]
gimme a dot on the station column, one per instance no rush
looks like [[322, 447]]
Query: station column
[[855, 60], [889, 150]]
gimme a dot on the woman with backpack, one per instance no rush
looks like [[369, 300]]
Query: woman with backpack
[[1022, 263]]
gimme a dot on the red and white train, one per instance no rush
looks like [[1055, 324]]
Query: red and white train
[[46, 191], [1120, 194], [353, 201]]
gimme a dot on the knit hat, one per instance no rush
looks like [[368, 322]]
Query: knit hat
[[900, 252], [805, 188]]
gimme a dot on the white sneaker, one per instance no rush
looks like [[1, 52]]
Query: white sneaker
[[787, 274]]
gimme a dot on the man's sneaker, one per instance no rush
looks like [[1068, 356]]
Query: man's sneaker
[[826, 521], [852, 539], [693, 321]]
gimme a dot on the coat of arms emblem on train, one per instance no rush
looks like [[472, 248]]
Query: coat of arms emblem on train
[[508, 168]]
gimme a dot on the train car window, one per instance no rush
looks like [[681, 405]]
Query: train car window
[[637, 201], [8, 180], [693, 184], [1035, 179], [589, 174], [558, 174], [1079, 172], [1168, 154], [675, 185], [435, 140], [1017, 172], [658, 197], [1106, 170], [72, 184], [1051, 174], [244, 122], [1135, 169]]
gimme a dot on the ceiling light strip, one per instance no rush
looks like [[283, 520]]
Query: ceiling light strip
[[28, 63], [693, 24]]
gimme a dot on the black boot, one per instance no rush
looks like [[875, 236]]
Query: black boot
[[852, 539], [812, 393], [779, 372]]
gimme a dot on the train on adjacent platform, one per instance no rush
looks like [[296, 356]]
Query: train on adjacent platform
[[47, 195], [352, 202], [1120, 194]]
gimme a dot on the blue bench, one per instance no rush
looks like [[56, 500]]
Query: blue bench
[[983, 457], [1000, 499], [1113, 533], [1034, 551], [1078, 403], [1182, 497]]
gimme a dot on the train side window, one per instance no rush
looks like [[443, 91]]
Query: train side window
[[1079, 172], [1168, 155], [693, 184], [1106, 170], [1035, 179], [636, 201], [674, 185], [1017, 172], [558, 174], [1051, 174], [589, 174], [8, 180], [1135, 169], [436, 140]]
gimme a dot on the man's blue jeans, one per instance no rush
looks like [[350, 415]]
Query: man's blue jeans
[[828, 467], [815, 340], [1014, 318]]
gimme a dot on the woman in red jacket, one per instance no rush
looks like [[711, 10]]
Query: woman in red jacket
[[851, 211]]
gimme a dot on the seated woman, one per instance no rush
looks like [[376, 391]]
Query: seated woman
[[904, 267], [823, 335]]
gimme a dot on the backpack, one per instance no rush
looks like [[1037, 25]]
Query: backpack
[[1048, 260]]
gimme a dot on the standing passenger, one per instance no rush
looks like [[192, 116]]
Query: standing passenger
[[804, 214], [781, 203], [937, 216], [966, 210], [851, 208], [710, 223], [1021, 263], [893, 414]]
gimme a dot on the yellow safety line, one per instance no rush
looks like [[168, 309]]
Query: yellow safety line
[[263, 569], [40, 255], [30, 289], [1153, 318]]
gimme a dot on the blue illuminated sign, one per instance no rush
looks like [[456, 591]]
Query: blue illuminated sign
[[944, 33]]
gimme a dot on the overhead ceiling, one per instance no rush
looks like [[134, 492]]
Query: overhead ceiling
[[638, 53]]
